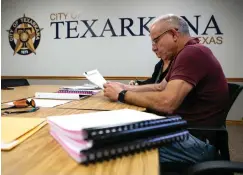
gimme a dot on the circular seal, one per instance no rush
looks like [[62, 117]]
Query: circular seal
[[24, 36]]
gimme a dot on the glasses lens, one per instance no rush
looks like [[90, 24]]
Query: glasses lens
[[32, 103], [20, 103]]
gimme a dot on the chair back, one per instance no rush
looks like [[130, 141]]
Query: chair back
[[222, 136], [13, 83], [234, 91]]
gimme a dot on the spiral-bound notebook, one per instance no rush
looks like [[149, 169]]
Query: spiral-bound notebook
[[91, 131], [74, 126], [120, 149], [80, 92], [101, 136]]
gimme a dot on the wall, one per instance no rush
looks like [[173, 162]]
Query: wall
[[62, 45], [119, 52]]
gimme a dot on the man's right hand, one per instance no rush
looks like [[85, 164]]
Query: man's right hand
[[132, 83]]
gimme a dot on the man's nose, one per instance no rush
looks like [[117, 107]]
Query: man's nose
[[154, 47]]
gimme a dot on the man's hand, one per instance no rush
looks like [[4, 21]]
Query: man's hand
[[132, 83], [112, 90]]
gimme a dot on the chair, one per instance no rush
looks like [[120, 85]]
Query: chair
[[221, 134], [220, 139], [13, 83], [216, 167]]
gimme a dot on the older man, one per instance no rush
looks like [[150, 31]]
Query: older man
[[195, 87]]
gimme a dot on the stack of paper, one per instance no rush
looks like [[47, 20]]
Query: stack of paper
[[87, 90], [17, 129]]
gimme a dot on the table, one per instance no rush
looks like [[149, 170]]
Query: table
[[42, 155]]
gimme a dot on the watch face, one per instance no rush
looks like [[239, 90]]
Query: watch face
[[121, 96]]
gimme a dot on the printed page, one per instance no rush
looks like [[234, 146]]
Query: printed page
[[95, 77]]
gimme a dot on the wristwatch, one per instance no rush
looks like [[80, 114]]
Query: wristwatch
[[121, 96]]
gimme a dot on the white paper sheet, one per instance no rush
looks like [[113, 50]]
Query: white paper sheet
[[95, 77], [46, 102], [83, 87]]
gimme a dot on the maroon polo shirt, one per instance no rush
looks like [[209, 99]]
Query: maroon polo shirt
[[206, 102]]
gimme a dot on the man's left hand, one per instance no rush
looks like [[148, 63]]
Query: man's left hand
[[112, 90]]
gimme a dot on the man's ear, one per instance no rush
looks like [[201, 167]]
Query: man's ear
[[175, 34]]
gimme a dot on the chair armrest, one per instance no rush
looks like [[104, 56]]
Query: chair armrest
[[216, 167]]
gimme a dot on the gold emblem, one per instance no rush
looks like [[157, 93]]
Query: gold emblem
[[24, 36]]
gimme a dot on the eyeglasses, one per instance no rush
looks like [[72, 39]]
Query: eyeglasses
[[23, 103], [156, 39], [19, 112]]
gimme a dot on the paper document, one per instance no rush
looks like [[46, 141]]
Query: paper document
[[83, 87], [95, 77], [46, 102]]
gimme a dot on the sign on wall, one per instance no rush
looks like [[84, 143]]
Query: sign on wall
[[112, 38], [24, 36]]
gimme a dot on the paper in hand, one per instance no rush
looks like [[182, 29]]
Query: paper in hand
[[95, 77]]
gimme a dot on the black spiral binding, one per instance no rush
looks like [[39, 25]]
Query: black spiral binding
[[94, 133], [123, 149], [130, 132], [137, 133], [81, 92]]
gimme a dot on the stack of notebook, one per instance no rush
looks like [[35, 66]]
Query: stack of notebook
[[81, 90], [98, 136], [70, 92]]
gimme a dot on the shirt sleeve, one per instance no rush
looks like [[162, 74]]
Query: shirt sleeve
[[190, 66]]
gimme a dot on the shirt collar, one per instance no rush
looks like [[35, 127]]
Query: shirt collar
[[193, 40]]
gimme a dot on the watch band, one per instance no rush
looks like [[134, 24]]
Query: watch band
[[121, 96]]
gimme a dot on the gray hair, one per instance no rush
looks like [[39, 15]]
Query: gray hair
[[176, 22]]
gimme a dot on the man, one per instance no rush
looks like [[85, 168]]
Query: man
[[195, 87]]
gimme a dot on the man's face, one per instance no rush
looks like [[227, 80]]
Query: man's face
[[154, 49], [163, 40]]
